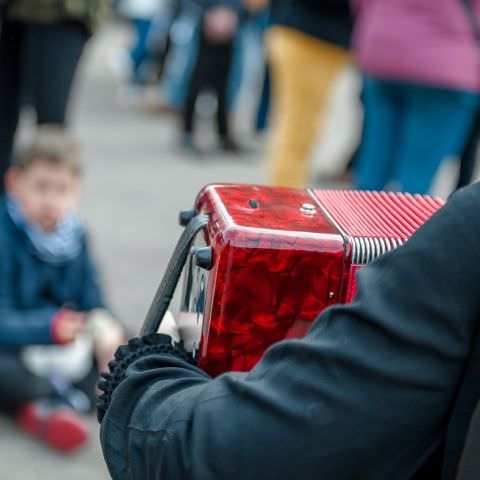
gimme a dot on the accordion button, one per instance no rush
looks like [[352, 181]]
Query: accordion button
[[185, 216], [204, 257], [308, 209]]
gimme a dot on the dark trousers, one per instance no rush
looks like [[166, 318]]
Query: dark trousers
[[37, 67], [17, 385], [469, 154], [263, 109], [211, 71]]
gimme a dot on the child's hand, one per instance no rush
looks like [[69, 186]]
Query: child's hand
[[67, 325]]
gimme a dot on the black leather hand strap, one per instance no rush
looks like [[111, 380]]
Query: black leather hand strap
[[165, 291], [149, 341]]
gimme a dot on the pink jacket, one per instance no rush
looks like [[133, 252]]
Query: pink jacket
[[422, 41]]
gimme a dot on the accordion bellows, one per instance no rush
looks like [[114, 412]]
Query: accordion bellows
[[375, 222], [279, 257]]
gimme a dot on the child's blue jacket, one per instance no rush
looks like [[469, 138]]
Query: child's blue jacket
[[32, 291]]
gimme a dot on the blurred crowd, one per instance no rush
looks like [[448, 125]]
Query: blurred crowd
[[419, 65]]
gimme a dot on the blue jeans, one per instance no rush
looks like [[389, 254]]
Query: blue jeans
[[181, 59], [139, 51], [408, 130]]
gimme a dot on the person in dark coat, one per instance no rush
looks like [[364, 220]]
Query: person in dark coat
[[217, 31], [41, 43], [367, 393]]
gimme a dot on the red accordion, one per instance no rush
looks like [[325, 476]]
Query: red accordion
[[271, 259]]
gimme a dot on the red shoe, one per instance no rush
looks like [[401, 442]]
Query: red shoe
[[59, 427]]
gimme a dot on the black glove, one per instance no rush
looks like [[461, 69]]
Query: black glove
[[126, 354]]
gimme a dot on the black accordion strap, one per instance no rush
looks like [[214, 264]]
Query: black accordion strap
[[170, 279], [470, 463]]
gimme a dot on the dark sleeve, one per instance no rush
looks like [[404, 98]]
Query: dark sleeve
[[19, 327], [366, 394], [91, 291]]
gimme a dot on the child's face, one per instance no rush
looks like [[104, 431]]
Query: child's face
[[46, 192]]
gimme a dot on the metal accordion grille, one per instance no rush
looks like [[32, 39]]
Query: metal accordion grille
[[375, 222]]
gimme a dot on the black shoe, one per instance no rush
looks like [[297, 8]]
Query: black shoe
[[189, 145], [227, 144]]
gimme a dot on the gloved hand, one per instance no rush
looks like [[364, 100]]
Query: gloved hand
[[136, 348]]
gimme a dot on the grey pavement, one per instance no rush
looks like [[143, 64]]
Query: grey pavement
[[137, 180]]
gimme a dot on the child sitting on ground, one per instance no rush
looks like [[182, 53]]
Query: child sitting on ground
[[55, 334]]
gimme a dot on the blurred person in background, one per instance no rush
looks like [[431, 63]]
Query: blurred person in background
[[180, 58], [41, 42], [55, 333], [259, 13], [149, 19], [468, 157], [255, 72], [421, 82], [307, 46], [140, 14], [159, 40], [218, 26]]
